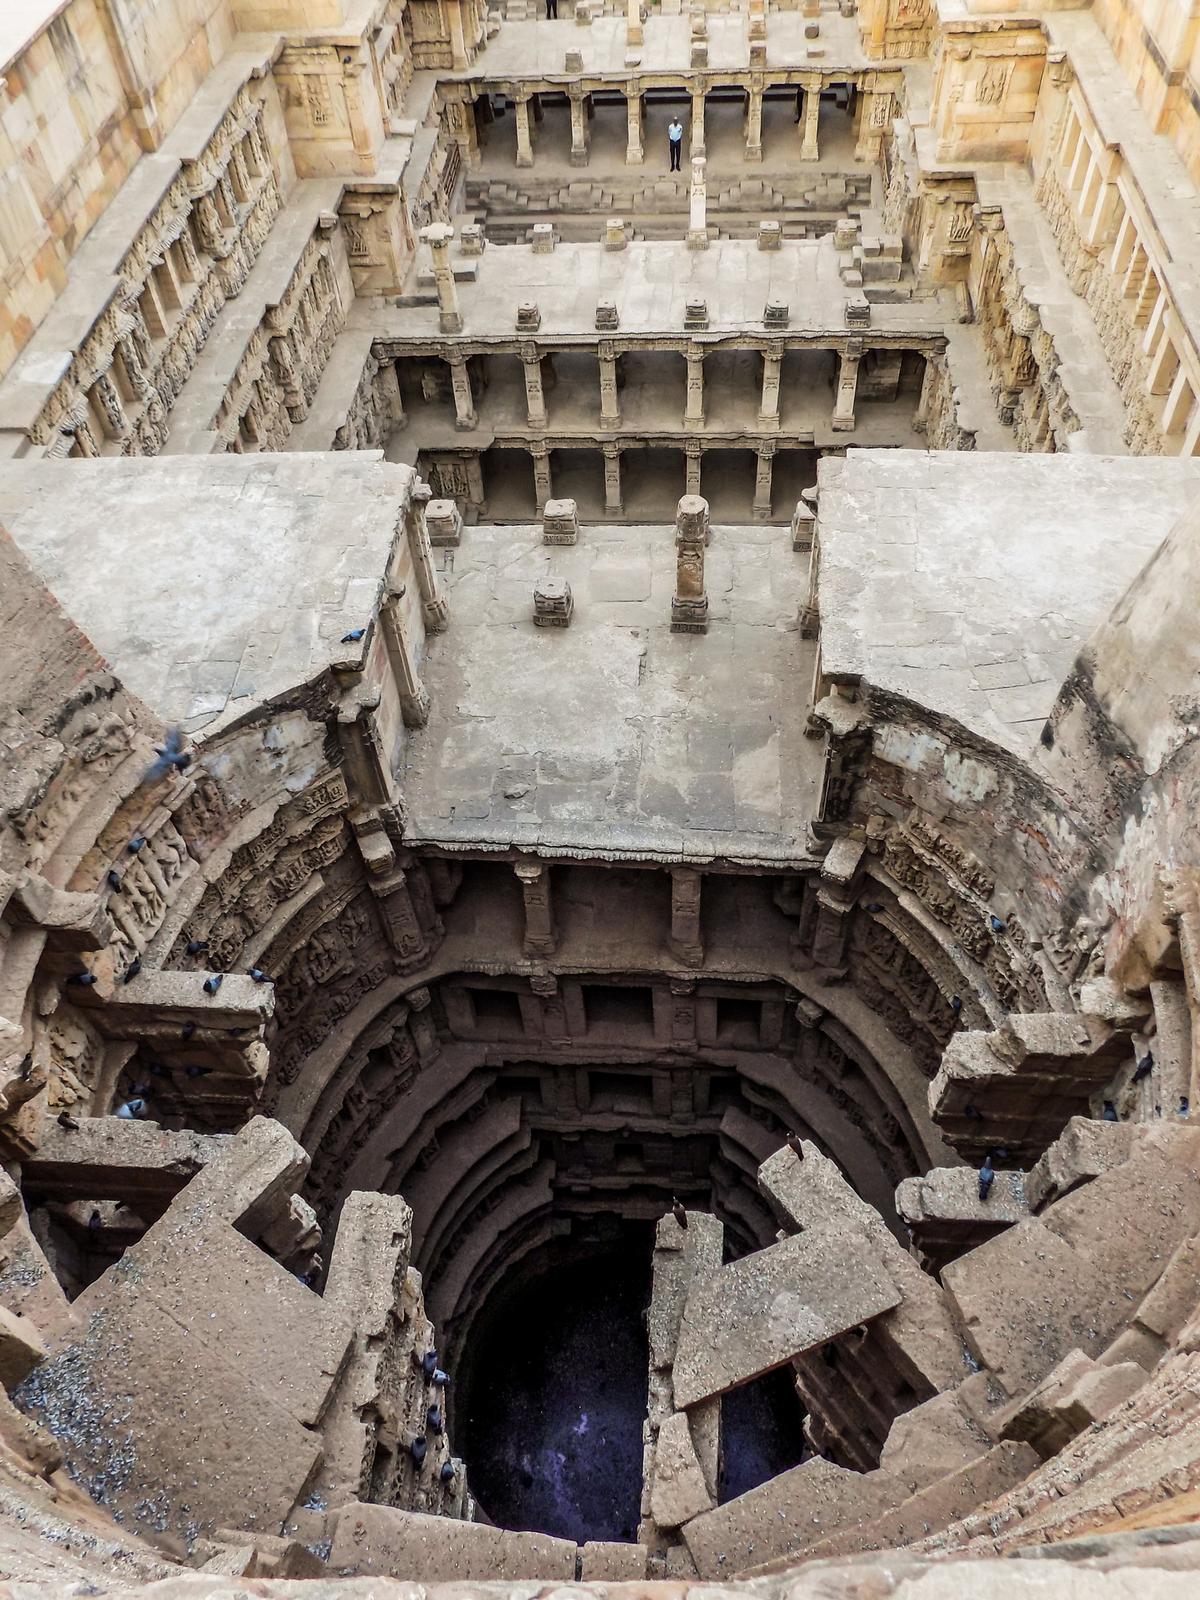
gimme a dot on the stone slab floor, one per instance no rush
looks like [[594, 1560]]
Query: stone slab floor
[[616, 734]]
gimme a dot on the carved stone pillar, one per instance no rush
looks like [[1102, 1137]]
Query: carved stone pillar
[[433, 605], [689, 605], [768, 410], [408, 938], [835, 904], [762, 481], [116, 422], [542, 487], [847, 385], [612, 480], [697, 235], [438, 236], [524, 140], [610, 402], [633, 23], [693, 411], [693, 454], [812, 112], [687, 944], [698, 92], [634, 152], [754, 105], [875, 115], [414, 700], [464, 404], [579, 131], [422, 1026], [534, 878], [535, 397]]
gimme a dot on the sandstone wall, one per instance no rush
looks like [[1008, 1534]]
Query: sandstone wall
[[1157, 43]]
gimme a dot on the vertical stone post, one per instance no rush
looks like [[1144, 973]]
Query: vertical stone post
[[438, 236], [694, 453], [812, 112], [610, 400], [634, 152], [542, 488], [612, 480], [534, 878], [689, 605], [697, 238], [686, 942], [875, 113], [524, 140], [699, 88], [693, 410], [475, 494], [847, 385], [633, 23], [754, 105], [414, 701], [768, 410], [464, 403], [579, 131], [762, 481], [433, 605], [535, 396]]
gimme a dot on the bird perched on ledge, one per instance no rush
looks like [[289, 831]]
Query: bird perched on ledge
[[678, 1212], [987, 1178], [795, 1145]]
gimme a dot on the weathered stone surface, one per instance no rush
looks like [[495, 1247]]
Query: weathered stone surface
[[678, 1490], [381, 1540], [607, 1562], [21, 1348]]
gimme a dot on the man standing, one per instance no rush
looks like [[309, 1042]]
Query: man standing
[[675, 140], [552, 10]]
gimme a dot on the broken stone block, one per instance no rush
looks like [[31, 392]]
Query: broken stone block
[[606, 315], [1076, 1393], [529, 318], [1083, 1150], [381, 1540], [845, 233], [583, 16], [770, 235], [678, 1491], [603, 1561], [857, 311], [758, 53], [573, 62], [945, 1216], [812, 30], [776, 314], [803, 522], [543, 238], [471, 239], [444, 523], [614, 234], [699, 53], [21, 1348], [553, 603], [695, 314], [560, 522]]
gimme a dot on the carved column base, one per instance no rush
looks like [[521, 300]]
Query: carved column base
[[437, 616], [688, 955], [689, 616], [450, 321], [414, 708], [842, 422]]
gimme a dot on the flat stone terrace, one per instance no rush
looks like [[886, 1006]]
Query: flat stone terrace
[[537, 49], [651, 283], [615, 737], [968, 582], [212, 584]]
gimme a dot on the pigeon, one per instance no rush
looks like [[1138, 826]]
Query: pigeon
[[65, 1120], [157, 1070], [1183, 1105], [135, 1110], [135, 844], [1110, 1112], [1144, 1067], [95, 1220], [172, 757], [447, 1474], [113, 878], [440, 1378], [83, 979], [194, 946], [678, 1213], [795, 1146], [259, 975], [187, 1030], [429, 1363], [873, 905], [417, 1450], [353, 636], [956, 1004], [132, 970], [997, 924], [197, 1072], [972, 1114], [434, 1418], [986, 1178], [211, 985]]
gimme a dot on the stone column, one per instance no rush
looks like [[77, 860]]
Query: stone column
[[694, 453], [686, 943], [875, 110], [633, 23], [116, 421], [689, 605], [534, 877], [812, 111], [754, 105], [610, 400], [693, 410], [524, 141], [698, 92], [768, 410], [762, 481], [464, 404], [634, 152], [433, 606], [579, 131], [847, 384], [697, 238], [414, 700], [438, 236], [542, 487], [535, 397], [612, 481]]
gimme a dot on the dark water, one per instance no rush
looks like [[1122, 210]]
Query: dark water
[[549, 1416]]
